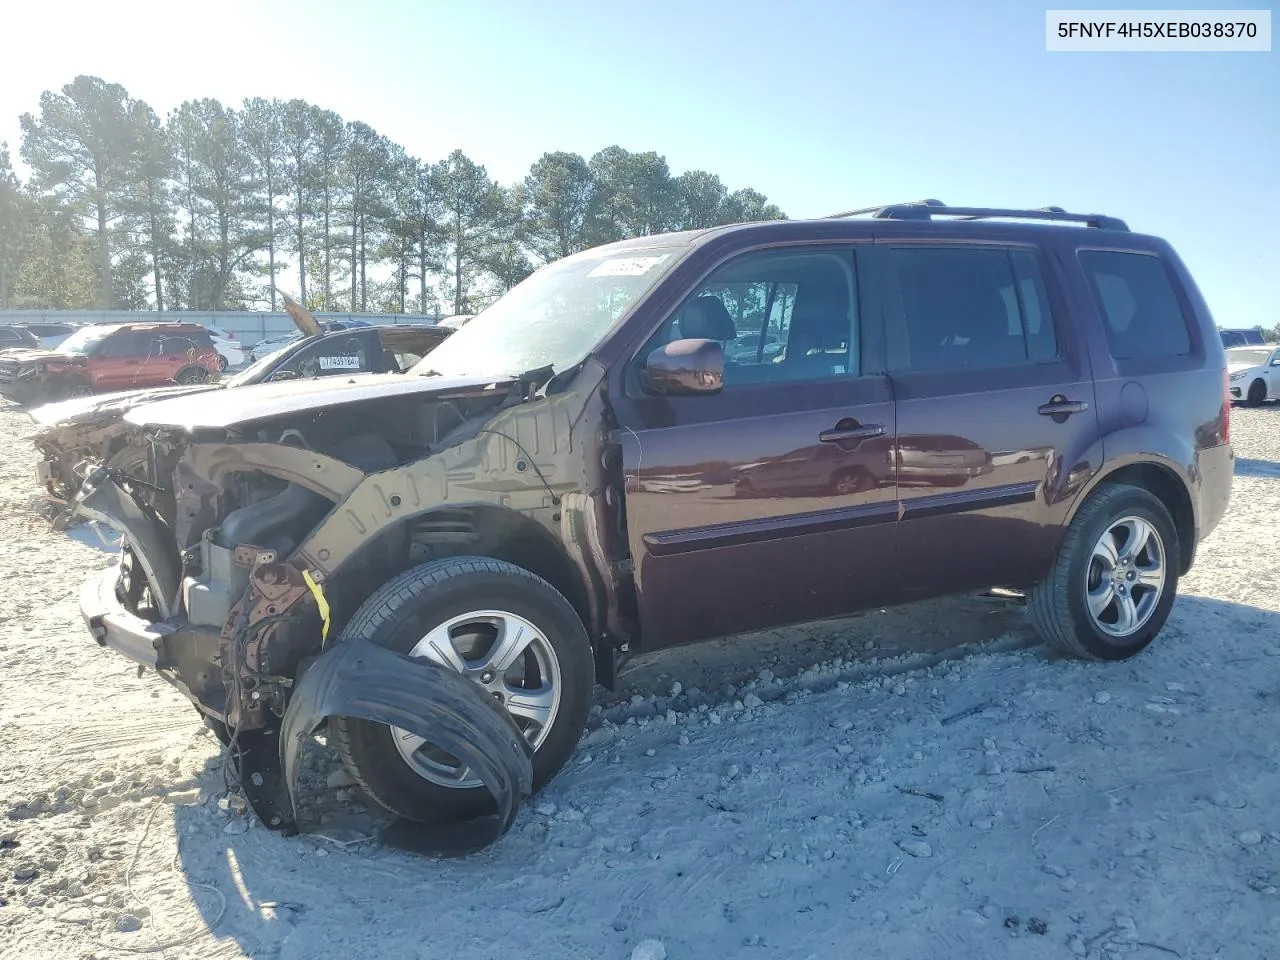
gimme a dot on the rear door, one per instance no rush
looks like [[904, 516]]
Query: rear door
[[773, 501], [997, 421]]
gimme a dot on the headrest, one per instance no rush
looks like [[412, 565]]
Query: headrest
[[706, 318]]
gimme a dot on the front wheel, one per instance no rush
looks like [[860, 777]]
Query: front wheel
[[1115, 579], [508, 631], [1257, 393], [73, 387]]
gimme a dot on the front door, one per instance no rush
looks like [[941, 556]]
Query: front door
[[118, 359], [997, 422], [773, 501]]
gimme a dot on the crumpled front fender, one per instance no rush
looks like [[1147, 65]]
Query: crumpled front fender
[[356, 678]]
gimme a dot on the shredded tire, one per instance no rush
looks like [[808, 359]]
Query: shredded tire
[[401, 613]]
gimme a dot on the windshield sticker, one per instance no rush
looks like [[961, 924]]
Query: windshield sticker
[[625, 267], [339, 363]]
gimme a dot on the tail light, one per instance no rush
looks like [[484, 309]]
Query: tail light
[[1226, 406]]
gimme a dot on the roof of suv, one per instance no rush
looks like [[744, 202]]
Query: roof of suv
[[903, 216]]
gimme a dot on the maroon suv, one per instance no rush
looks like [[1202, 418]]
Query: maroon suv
[[658, 441]]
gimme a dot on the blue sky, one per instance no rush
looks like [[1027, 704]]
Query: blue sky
[[821, 104]]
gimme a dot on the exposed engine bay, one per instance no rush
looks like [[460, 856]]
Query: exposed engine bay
[[247, 548]]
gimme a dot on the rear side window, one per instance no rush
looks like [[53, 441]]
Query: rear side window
[[973, 308], [1140, 310], [182, 348]]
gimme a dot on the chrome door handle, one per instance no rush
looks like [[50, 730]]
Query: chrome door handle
[[841, 434], [1060, 406]]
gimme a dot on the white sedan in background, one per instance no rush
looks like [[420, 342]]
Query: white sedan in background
[[1254, 373], [230, 353]]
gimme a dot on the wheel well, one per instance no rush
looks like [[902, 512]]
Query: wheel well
[[478, 531], [1164, 483]]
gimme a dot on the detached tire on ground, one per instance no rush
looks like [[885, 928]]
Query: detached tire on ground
[[1115, 579], [504, 628]]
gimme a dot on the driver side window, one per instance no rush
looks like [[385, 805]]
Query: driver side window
[[331, 357], [780, 316]]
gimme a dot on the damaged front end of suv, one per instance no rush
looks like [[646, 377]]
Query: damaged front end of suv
[[436, 560], [255, 530]]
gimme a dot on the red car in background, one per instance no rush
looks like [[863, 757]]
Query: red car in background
[[104, 358]]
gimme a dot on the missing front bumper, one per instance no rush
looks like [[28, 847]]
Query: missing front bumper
[[114, 627]]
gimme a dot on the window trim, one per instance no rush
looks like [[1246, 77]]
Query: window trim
[[898, 356], [869, 334]]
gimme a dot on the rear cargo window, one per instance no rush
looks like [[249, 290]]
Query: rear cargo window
[[1135, 295]]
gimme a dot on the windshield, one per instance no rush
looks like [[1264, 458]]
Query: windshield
[[1254, 356], [82, 342], [553, 318]]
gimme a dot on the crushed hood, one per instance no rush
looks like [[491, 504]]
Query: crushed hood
[[86, 408], [302, 318], [259, 401]]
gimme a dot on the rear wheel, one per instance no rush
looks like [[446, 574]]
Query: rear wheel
[[1257, 393], [223, 363], [508, 631], [1115, 579], [192, 375]]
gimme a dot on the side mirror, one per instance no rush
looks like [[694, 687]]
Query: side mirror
[[685, 367], [284, 375]]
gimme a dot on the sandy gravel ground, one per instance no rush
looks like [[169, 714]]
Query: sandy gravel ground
[[915, 783]]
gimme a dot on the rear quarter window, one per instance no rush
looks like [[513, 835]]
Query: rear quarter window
[[1140, 310]]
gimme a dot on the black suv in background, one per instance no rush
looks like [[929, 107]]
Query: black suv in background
[[1242, 337], [18, 336]]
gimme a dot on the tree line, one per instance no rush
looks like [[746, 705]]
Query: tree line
[[217, 207]]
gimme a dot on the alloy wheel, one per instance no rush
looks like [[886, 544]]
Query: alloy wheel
[[1126, 577], [512, 660]]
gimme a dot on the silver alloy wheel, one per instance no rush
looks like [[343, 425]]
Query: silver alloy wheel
[[511, 659], [1126, 577]]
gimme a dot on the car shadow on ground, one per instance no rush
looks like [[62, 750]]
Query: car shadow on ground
[[333, 888]]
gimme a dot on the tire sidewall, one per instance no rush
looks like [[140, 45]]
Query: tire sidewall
[[1135, 503], [370, 746], [1255, 396]]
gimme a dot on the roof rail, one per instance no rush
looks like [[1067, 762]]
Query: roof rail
[[881, 206], [928, 209]]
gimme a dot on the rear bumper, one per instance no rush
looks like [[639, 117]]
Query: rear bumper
[[114, 627]]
